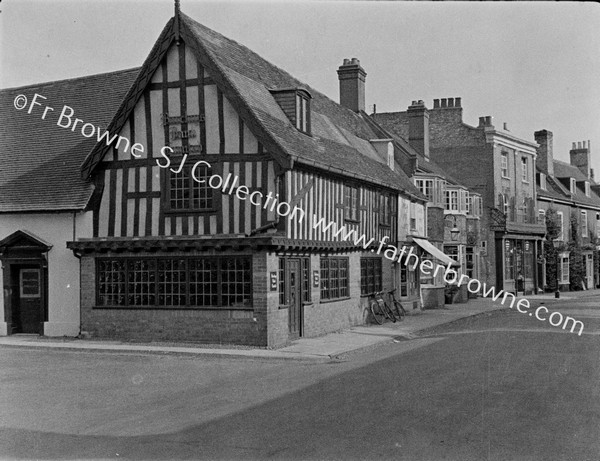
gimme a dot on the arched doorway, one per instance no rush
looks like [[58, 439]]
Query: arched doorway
[[25, 281]]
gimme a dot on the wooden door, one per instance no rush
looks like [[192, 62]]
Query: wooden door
[[27, 301], [589, 271], [295, 298]]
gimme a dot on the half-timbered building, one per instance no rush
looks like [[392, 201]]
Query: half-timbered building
[[222, 195]]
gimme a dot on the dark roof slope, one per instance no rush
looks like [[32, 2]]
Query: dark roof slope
[[396, 125], [338, 134], [557, 191], [566, 170], [40, 160]]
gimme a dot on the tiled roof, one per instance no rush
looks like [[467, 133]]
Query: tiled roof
[[396, 125], [565, 170], [338, 134], [40, 160], [557, 191], [394, 122]]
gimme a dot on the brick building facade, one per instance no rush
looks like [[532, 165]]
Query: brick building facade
[[500, 168], [570, 191]]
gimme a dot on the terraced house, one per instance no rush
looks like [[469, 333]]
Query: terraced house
[[453, 211], [570, 191], [499, 167], [198, 221]]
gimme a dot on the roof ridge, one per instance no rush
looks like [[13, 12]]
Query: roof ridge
[[72, 79], [300, 83]]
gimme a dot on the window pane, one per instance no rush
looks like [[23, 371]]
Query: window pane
[[171, 282], [111, 282], [236, 282], [204, 288], [141, 282]]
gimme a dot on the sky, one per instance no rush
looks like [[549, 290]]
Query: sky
[[532, 65]]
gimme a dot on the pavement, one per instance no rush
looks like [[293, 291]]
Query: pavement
[[323, 348]]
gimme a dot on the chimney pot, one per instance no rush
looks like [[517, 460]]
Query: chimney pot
[[450, 102], [481, 121], [506, 126], [444, 102], [574, 146], [456, 102], [436, 103]]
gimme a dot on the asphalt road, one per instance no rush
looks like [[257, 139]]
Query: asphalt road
[[502, 386]]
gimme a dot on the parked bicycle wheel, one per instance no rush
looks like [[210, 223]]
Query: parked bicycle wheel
[[399, 310], [377, 312], [388, 312]]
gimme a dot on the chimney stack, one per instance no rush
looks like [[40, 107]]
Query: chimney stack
[[418, 127], [485, 121], [352, 85], [545, 151], [580, 157]]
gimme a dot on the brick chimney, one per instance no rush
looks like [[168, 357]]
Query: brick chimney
[[418, 127], [352, 85], [545, 152], [580, 157], [486, 122]]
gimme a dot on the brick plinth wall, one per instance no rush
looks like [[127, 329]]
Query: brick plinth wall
[[216, 326]]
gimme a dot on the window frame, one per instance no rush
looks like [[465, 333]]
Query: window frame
[[371, 283], [450, 196], [351, 203], [543, 184], [327, 288], [564, 268], [191, 184], [424, 184], [504, 165], [524, 169], [385, 209], [302, 113], [561, 236], [584, 224], [156, 282]]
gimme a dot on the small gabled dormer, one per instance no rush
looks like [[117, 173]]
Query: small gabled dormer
[[542, 181], [572, 185], [385, 149], [295, 103]]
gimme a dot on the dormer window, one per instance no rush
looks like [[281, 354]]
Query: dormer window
[[573, 187], [543, 185], [295, 103], [302, 113]]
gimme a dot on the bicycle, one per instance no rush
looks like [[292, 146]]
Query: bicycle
[[379, 308], [396, 306]]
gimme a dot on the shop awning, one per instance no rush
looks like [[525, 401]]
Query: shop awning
[[436, 253]]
